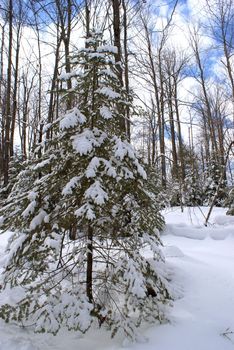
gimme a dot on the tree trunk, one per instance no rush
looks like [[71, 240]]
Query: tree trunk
[[15, 89], [65, 24], [162, 123], [89, 270], [180, 139], [126, 69], [118, 56], [8, 97], [1, 99], [175, 172], [52, 104]]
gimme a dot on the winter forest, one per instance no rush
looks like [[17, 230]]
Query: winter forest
[[116, 174]]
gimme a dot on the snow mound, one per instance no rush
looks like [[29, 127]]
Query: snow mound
[[200, 232], [185, 231], [224, 220], [17, 344], [218, 234], [172, 252]]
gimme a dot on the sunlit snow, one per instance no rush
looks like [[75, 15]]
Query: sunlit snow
[[201, 263]]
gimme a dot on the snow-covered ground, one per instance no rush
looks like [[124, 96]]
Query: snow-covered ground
[[201, 260]]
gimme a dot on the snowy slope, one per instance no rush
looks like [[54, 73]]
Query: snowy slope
[[202, 263]]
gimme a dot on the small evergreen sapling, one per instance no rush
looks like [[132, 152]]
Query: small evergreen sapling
[[82, 217]]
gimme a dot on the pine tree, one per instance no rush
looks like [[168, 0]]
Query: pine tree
[[230, 202], [212, 177], [16, 165], [82, 216]]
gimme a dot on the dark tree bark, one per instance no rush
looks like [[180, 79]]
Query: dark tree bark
[[15, 88], [65, 18], [8, 97], [53, 92], [2, 93], [118, 56], [89, 270], [126, 68]]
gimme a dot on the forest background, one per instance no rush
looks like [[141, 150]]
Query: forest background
[[176, 59]]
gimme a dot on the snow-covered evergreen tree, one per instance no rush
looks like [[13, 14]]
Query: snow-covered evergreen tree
[[82, 216], [212, 176], [16, 164], [230, 202]]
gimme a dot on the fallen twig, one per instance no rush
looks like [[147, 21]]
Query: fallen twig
[[227, 334]]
